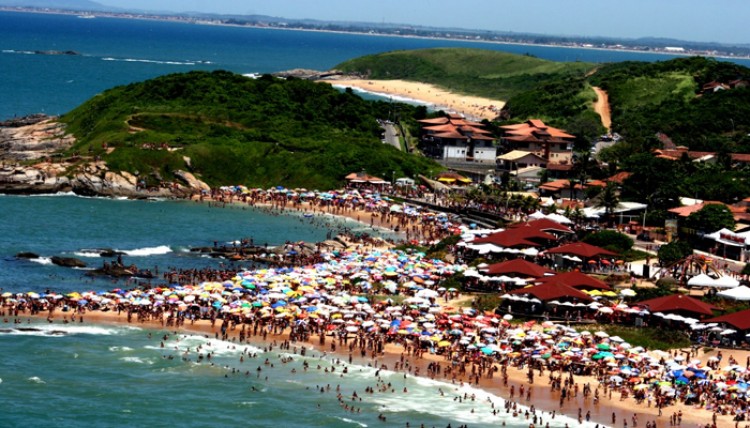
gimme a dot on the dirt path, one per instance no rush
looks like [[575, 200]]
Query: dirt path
[[601, 107]]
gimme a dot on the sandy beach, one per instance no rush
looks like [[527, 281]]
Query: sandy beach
[[476, 108], [611, 406]]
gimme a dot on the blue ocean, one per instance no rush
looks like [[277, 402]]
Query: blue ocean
[[85, 375], [120, 51]]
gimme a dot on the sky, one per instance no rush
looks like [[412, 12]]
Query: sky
[[722, 21]]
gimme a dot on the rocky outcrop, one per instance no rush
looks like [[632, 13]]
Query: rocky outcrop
[[42, 138], [301, 73], [27, 255], [68, 262], [20, 141]]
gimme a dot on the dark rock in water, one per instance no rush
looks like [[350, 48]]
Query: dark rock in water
[[72, 53], [27, 255], [68, 262], [119, 271], [108, 252], [201, 250]]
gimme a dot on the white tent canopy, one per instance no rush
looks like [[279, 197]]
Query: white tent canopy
[[738, 293], [726, 282], [727, 237], [701, 280]]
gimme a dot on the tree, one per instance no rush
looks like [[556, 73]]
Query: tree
[[673, 251], [610, 240], [711, 218], [608, 199]]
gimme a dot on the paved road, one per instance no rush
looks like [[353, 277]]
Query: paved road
[[391, 135]]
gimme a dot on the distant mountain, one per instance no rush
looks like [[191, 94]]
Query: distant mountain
[[59, 4]]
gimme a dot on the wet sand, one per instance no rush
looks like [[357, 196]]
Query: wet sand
[[542, 397]]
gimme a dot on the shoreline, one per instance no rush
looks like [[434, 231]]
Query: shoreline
[[544, 399], [166, 18], [432, 96]]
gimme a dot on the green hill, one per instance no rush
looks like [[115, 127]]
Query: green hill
[[229, 129], [666, 97], [556, 92], [645, 97], [486, 73]]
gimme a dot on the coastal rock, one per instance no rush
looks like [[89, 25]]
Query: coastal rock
[[27, 255], [108, 252], [301, 73], [119, 271], [191, 182], [24, 121], [35, 141], [68, 262]]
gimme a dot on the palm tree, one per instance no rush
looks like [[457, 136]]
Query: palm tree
[[608, 199]]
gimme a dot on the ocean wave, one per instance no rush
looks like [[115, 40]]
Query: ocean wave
[[13, 51], [59, 330], [214, 346], [396, 98], [153, 61], [137, 360], [88, 254], [351, 421], [120, 348], [36, 379], [42, 260], [147, 251]]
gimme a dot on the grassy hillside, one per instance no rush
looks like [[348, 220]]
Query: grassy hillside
[[665, 97], [229, 129], [480, 72]]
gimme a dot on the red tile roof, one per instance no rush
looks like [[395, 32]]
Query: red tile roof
[[450, 134], [740, 320], [516, 238], [689, 209], [535, 125], [437, 120], [581, 249], [620, 177], [577, 280], [678, 303], [518, 267], [549, 291], [543, 224]]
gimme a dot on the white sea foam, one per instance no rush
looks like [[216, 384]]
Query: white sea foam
[[425, 397], [120, 348], [42, 260], [36, 379], [51, 195], [60, 330], [147, 251], [88, 254], [137, 360], [351, 421], [396, 98], [150, 61]]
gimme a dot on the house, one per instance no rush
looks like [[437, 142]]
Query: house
[[454, 138], [552, 144], [518, 159], [363, 180]]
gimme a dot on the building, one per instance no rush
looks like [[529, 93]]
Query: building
[[554, 145], [454, 138]]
